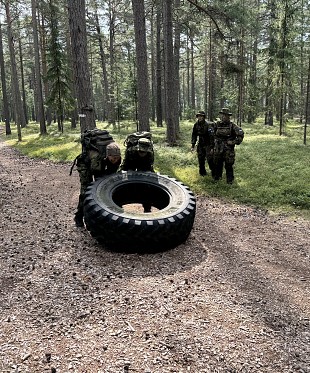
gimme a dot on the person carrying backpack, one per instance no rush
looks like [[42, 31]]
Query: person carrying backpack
[[226, 135], [100, 156], [139, 155]]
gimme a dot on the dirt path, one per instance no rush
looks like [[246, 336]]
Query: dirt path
[[234, 298]]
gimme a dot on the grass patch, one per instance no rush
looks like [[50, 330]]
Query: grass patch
[[271, 171]]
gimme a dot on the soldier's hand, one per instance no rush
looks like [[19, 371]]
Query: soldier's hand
[[231, 142], [192, 149]]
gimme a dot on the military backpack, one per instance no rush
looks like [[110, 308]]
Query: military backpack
[[94, 144], [131, 142]]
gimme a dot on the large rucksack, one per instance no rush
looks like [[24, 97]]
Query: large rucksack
[[131, 141], [94, 144]]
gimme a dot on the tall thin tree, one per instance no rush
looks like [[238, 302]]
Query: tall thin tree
[[169, 75], [105, 82], [22, 75], [142, 71], [6, 111], [159, 106], [38, 82], [60, 93], [77, 25], [18, 105]]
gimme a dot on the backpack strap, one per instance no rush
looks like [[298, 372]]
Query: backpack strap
[[73, 164]]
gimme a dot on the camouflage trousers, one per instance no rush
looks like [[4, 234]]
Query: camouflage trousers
[[205, 153], [86, 178], [224, 156]]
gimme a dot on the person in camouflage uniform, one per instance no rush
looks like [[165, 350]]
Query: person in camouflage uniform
[[109, 165], [226, 136], [203, 130], [140, 158]]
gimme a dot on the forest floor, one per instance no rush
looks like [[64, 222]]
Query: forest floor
[[234, 298]]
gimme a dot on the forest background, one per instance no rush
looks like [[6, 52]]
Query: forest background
[[150, 65]]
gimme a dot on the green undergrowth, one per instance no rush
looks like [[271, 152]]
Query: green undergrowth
[[271, 171]]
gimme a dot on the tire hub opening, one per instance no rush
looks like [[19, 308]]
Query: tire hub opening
[[140, 197]]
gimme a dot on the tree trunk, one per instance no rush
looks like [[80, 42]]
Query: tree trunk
[[112, 118], [83, 88], [206, 82], [38, 85], [43, 48], [18, 105], [252, 82], [153, 72], [193, 93], [22, 79], [176, 55], [159, 107], [241, 82], [169, 74], [307, 111], [188, 77], [142, 72], [105, 82], [6, 112], [74, 114], [212, 75], [270, 65]]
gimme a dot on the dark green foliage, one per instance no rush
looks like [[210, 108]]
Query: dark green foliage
[[60, 97]]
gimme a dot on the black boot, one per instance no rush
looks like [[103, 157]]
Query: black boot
[[229, 174], [78, 219], [216, 174], [147, 207], [202, 171]]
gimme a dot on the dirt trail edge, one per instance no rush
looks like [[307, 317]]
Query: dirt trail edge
[[234, 298]]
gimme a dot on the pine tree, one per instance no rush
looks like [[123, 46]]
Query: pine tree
[[60, 94]]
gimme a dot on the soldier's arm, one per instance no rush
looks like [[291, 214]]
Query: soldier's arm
[[211, 126], [239, 135], [84, 171], [152, 162], [128, 163], [194, 135], [124, 165]]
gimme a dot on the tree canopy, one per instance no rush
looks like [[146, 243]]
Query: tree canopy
[[154, 60]]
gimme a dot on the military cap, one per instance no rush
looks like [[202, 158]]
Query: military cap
[[201, 113], [225, 111]]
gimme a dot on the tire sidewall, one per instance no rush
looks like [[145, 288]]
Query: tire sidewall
[[180, 197], [166, 226]]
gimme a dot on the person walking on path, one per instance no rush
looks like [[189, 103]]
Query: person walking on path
[[226, 135], [203, 131]]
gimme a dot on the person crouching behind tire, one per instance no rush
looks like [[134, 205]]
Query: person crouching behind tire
[[140, 158], [109, 165], [203, 130]]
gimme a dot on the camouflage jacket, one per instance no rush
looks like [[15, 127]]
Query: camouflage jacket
[[106, 167], [228, 133], [134, 162], [203, 131]]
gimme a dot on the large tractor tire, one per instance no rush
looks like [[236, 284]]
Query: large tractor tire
[[167, 225]]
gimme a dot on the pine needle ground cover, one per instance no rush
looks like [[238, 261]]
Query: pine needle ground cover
[[271, 171]]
